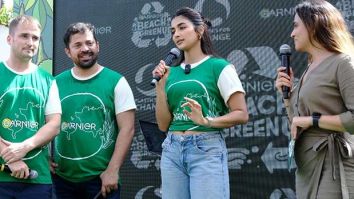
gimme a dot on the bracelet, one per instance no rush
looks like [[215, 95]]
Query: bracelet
[[209, 121]]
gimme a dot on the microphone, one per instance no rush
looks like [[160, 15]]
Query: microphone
[[285, 52], [171, 56], [5, 168], [187, 69]]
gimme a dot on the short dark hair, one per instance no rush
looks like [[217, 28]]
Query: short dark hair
[[78, 27]]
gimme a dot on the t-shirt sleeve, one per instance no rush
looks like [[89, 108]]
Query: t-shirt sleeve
[[229, 83], [53, 103], [123, 96]]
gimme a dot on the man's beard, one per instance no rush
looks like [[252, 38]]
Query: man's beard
[[88, 64]]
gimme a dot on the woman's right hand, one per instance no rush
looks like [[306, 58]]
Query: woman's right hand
[[283, 79], [161, 70]]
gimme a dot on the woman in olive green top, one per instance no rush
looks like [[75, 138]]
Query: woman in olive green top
[[321, 105]]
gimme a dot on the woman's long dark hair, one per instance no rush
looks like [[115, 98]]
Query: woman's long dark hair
[[197, 20]]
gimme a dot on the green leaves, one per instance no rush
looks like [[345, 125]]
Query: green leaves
[[5, 16]]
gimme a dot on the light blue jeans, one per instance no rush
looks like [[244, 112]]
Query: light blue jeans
[[195, 167]]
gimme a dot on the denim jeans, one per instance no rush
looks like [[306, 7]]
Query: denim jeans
[[64, 189], [195, 167], [17, 190]]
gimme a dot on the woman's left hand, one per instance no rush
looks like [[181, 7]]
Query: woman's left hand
[[195, 114], [303, 122]]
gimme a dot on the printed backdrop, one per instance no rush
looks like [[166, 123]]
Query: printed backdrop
[[135, 34]]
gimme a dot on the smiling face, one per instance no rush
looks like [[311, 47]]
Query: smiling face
[[24, 40], [83, 49], [300, 35], [184, 34]]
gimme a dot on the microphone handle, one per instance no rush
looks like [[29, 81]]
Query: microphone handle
[[285, 61], [154, 80], [168, 61], [32, 173]]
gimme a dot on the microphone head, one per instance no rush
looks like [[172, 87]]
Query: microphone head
[[285, 49], [176, 52], [33, 174]]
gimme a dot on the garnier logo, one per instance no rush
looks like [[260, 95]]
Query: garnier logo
[[8, 123], [81, 126]]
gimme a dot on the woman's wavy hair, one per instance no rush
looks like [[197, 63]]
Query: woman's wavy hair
[[326, 26]]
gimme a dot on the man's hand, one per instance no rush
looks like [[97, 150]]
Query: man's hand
[[19, 169], [109, 180], [52, 166], [14, 151]]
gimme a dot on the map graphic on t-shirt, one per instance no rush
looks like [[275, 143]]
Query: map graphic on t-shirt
[[86, 123], [201, 96], [76, 123], [19, 120]]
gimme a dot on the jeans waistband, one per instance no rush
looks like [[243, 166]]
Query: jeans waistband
[[202, 136]]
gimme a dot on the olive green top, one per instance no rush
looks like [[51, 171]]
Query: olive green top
[[324, 167]]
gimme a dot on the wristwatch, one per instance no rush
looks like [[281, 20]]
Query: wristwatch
[[315, 118]]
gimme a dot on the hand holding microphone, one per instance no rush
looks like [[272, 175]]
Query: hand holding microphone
[[19, 170], [160, 69], [285, 76]]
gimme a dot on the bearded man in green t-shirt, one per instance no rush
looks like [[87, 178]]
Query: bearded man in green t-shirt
[[29, 114], [97, 123]]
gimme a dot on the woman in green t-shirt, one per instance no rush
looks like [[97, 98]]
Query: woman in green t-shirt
[[194, 101]]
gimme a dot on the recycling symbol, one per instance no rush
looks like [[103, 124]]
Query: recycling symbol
[[152, 26], [217, 21]]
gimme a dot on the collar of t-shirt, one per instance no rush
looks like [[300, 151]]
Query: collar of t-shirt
[[31, 69], [183, 65], [85, 78]]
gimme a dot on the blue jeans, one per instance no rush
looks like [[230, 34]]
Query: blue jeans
[[17, 190], [64, 189], [195, 167]]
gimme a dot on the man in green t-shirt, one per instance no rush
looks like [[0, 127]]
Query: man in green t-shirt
[[97, 123], [30, 112]]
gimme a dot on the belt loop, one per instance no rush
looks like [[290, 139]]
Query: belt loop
[[170, 135]]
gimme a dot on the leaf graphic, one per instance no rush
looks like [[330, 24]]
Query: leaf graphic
[[50, 5], [107, 131], [16, 3], [29, 4], [39, 13], [42, 13], [22, 9], [47, 65], [40, 55]]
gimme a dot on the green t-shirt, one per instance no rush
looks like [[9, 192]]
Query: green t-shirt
[[201, 85], [22, 106], [89, 128]]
